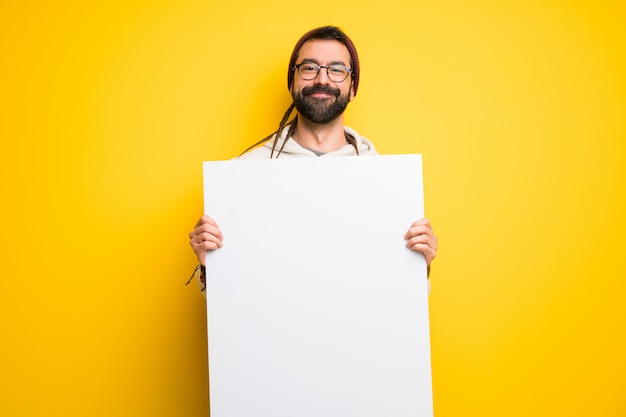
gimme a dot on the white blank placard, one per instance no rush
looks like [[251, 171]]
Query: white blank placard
[[315, 307]]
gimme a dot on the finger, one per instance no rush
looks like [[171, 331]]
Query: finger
[[205, 219], [422, 222], [204, 246], [417, 231], [427, 251], [422, 239], [202, 237], [421, 226], [212, 229], [425, 244], [201, 249]]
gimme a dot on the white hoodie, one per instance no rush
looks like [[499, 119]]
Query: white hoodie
[[294, 150]]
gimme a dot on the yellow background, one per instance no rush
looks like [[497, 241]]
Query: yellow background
[[108, 108]]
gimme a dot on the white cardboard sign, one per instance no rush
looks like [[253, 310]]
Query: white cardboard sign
[[315, 307]]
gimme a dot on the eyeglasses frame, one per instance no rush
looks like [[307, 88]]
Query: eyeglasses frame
[[297, 68]]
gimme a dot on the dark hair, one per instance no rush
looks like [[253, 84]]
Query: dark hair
[[321, 33]]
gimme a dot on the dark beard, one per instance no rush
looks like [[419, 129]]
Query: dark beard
[[320, 111]]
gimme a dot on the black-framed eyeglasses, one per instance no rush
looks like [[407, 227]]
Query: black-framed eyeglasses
[[309, 71]]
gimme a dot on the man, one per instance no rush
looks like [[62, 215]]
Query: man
[[323, 77]]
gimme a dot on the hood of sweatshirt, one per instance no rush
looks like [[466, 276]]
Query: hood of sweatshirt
[[293, 150]]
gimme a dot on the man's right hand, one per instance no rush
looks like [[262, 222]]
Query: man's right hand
[[205, 236]]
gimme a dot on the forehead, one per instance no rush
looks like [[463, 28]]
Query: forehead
[[324, 51]]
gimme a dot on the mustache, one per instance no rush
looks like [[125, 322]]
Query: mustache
[[326, 89]]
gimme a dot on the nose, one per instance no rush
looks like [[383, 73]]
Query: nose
[[322, 76]]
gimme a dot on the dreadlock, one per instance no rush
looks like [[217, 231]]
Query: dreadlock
[[281, 126]]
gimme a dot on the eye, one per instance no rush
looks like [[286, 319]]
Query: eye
[[308, 67], [337, 69]]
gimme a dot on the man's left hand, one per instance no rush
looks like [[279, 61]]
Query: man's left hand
[[421, 238]]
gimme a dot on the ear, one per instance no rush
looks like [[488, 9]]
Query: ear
[[352, 92]]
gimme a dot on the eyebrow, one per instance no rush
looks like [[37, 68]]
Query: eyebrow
[[310, 60]]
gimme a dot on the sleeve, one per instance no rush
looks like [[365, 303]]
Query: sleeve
[[199, 275], [201, 280]]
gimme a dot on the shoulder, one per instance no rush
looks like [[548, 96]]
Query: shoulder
[[365, 146], [260, 152]]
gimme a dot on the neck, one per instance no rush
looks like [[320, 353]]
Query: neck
[[325, 138]]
